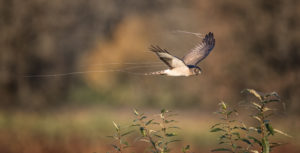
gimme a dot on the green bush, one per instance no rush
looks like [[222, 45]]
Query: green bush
[[157, 134], [236, 137]]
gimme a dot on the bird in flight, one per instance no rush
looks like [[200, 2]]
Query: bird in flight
[[187, 66]]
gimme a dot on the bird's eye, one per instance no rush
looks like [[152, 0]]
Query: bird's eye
[[196, 70]]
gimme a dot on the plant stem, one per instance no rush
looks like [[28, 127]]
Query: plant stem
[[119, 137], [229, 130], [262, 124], [153, 144], [164, 130], [149, 137]]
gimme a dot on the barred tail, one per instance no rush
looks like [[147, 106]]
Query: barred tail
[[162, 72]]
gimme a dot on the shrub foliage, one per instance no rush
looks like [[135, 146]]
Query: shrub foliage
[[236, 137], [161, 130]]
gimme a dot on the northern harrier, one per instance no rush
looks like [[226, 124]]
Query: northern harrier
[[187, 66]]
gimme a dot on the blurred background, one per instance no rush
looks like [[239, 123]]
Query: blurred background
[[257, 46]]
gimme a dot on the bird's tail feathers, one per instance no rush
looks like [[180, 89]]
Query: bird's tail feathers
[[162, 72]]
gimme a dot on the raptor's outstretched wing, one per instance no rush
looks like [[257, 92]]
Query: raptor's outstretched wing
[[167, 58], [201, 50]]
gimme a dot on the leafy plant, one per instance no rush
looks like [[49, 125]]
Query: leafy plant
[[186, 149], [235, 136], [120, 143], [262, 114], [159, 134], [231, 131]]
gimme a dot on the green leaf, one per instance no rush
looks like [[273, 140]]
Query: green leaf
[[256, 117], [158, 136], [221, 142], [255, 140], [163, 111], [116, 126], [241, 127], [152, 142], [253, 92], [173, 141], [269, 128], [136, 125], [223, 136], [258, 130], [143, 117], [257, 106], [186, 148], [276, 144], [236, 133], [159, 143], [246, 140], [116, 147], [152, 131], [244, 128], [127, 133], [272, 94], [135, 112], [280, 132], [223, 104], [216, 125], [143, 131], [156, 123], [170, 134], [221, 149], [216, 130], [271, 100], [149, 122], [267, 109], [173, 127], [169, 121], [144, 140]]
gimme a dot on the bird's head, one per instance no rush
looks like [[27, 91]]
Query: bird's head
[[195, 70]]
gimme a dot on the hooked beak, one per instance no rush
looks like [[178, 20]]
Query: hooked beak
[[200, 72]]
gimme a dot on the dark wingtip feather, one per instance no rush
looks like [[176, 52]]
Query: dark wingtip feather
[[209, 39], [152, 48], [157, 49]]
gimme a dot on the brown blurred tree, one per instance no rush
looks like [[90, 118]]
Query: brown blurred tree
[[269, 31], [48, 37], [42, 37]]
